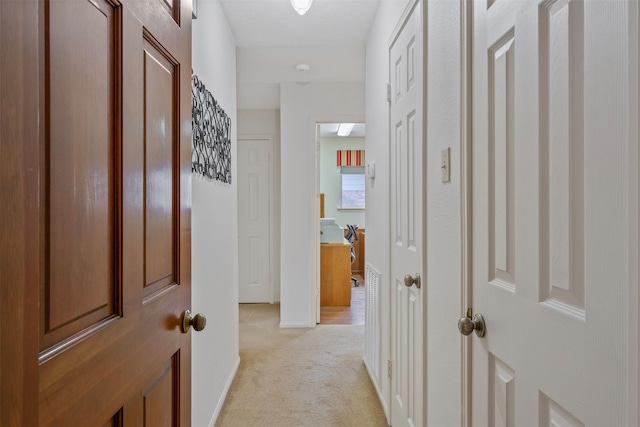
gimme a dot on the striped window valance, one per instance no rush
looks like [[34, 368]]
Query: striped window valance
[[350, 158]]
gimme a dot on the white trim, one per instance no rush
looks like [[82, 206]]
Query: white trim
[[466, 138], [351, 209], [388, 320], [385, 407], [291, 325], [401, 23], [634, 216], [424, 24], [318, 120], [316, 163], [224, 394]]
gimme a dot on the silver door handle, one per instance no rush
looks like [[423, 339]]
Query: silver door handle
[[466, 325], [408, 280], [199, 321]]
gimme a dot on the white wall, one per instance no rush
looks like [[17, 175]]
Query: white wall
[[215, 351], [443, 251], [443, 215], [330, 180], [302, 106], [267, 123]]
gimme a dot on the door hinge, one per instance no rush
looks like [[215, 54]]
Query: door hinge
[[388, 92], [389, 368]]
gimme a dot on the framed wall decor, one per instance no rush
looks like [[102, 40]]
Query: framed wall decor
[[211, 151]]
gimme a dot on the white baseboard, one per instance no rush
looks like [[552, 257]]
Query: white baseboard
[[285, 325], [223, 396], [383, 401]]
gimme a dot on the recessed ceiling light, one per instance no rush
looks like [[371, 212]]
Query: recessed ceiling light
[[302, 68], [345, 129]]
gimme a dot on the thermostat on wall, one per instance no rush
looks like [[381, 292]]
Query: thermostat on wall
[[371, 169]]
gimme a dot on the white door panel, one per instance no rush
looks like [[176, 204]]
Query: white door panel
[[254, 221], [406, 186], [550, 225]]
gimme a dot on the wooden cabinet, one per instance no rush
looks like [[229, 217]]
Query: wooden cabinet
[[335, 274]]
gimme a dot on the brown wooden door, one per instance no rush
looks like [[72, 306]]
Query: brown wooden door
[[105, 232]]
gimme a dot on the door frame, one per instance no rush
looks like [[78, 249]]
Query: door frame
[[466, 196], [316, 158], [272, 246], [634, 213], [314, 305]]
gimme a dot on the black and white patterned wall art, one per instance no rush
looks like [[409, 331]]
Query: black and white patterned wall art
[[211, 151]]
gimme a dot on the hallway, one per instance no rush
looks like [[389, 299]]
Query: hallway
[[299, 377]]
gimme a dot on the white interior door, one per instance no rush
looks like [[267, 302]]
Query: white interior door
[[550, 213], [406, 204], [254, 243]]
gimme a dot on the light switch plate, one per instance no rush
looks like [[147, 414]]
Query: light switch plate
[[371, 169], [445, 164]]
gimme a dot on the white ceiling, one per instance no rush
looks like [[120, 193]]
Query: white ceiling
[[272, 39]]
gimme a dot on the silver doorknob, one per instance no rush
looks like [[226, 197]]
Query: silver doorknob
[[408, 280], [198, 321], [466, 325]]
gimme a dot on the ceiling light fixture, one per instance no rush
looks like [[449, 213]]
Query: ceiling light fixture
[[345, 129], [301, 6]]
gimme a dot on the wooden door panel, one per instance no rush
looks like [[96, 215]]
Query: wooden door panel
[[115, 421], [81, 280], [83, 344], [161, 396], [159, 124], [122, 370], [85, 384], [173, 7], [161, 142]]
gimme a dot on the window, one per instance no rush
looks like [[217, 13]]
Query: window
[[353, 185]]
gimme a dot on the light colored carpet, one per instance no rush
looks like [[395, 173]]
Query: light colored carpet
[[299, 377]]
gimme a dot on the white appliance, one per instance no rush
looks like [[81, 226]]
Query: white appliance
[[330, 232]]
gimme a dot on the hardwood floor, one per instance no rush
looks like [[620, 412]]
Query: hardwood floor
[[353, 315]]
